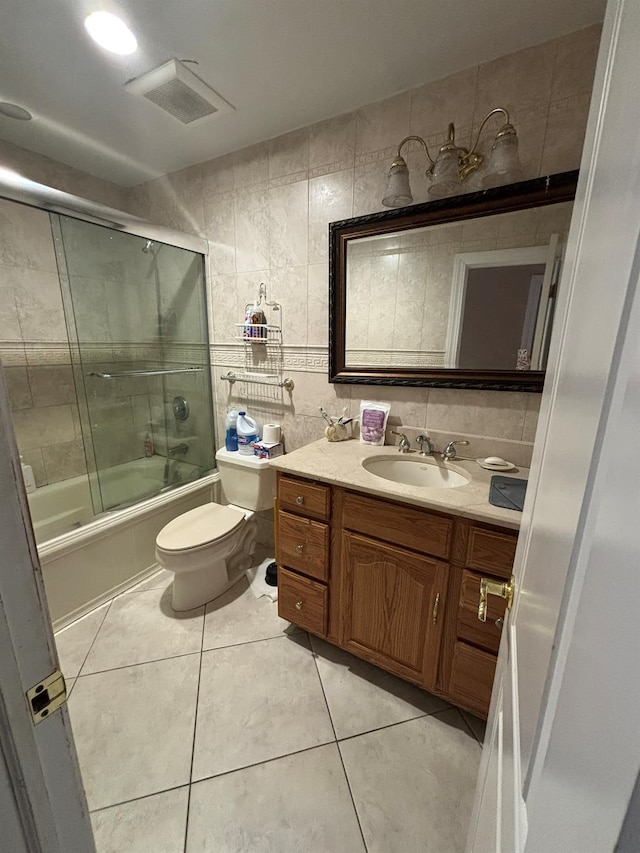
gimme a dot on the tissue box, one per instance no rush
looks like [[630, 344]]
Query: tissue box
[[267, 450]]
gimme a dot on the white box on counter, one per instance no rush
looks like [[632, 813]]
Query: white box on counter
[[268, 450]]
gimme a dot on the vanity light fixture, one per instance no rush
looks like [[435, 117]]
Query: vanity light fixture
[[110, 32], [454, 164]]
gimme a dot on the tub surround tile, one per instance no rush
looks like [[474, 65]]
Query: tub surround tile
[[73, 643], [413, 784], [38, 303], [34, 458], [25, 237], [221, 230], [300, 802], [257, 702], [238, 616], [362, 697], [141, 626], [155, 823], [52, 385], [42, 427], [18, 388], [129, 744], [64, 460]]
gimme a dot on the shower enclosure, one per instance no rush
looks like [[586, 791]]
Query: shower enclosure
[[137, 322]]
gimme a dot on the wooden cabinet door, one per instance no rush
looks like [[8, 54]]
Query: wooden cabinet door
[[392, 607]]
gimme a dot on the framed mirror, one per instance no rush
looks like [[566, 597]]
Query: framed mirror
[[458, 292]]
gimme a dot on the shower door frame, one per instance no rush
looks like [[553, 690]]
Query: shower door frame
[[16, 188]]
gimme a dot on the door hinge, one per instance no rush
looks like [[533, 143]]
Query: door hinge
[[46, 696]]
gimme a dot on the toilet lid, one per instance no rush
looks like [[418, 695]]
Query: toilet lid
[[198, 527]]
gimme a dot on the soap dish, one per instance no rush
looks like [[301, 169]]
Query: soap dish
[[507, 466]]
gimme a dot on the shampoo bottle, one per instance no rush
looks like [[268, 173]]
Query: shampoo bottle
[[27, 476]]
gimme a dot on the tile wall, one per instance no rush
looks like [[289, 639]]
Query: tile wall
[[265, 212]]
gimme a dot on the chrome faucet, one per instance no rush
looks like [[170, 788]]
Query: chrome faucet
[[404, 445], [423, 440], [450, 450]]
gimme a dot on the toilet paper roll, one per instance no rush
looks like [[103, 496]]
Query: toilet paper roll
[[271, 433]]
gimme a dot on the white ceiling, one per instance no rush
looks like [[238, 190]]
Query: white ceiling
[[283, 64]]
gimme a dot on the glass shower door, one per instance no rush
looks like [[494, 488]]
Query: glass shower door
[[136, 312]]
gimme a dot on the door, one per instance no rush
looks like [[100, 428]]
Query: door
[[391, 601], [42, 802], [541, 728]]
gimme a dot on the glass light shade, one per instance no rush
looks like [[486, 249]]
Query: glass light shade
[[504, 165], [398, 191], [446, 175]]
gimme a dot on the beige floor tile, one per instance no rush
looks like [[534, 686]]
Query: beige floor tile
[[297, 803], [258, 701], [140, 627], [74, 641], [239, 617], [362, 697], [157, 823], [413, 784], [133, 729]]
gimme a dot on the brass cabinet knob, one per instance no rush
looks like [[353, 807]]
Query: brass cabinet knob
[[299, 500], [299, 605], [499, 622], [299, 549]]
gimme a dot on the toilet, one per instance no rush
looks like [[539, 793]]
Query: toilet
[[210, 547]]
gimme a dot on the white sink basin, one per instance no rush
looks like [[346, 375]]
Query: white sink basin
[[414, 471]]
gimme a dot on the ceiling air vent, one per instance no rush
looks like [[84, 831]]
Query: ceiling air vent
[[178, 91]]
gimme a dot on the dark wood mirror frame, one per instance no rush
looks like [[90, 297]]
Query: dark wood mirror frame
[[527, 194]]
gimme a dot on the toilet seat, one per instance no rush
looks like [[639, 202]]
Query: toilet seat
[[199, 528]]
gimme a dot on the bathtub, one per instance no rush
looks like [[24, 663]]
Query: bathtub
[[87, 559]]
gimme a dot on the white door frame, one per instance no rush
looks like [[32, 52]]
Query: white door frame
[[41, 793], [579, 731], [465, 261]]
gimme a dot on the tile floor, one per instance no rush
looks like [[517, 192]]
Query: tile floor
[[226, 730]]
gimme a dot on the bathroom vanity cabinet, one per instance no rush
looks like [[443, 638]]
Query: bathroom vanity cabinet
[[395, 584]]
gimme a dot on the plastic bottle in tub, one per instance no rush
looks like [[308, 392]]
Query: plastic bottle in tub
[[248, 433]]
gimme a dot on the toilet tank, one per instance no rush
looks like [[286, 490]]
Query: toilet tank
[[247, 481]]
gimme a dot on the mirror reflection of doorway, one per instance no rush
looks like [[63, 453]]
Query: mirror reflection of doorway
[[501, 304]]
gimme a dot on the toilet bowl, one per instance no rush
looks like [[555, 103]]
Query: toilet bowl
[[210, 547]]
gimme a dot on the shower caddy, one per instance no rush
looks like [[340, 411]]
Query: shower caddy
[[262, 340]]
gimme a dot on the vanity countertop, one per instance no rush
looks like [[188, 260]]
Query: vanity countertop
[[340, 463]]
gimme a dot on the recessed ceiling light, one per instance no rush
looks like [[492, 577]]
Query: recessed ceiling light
[[110, 32], [14, 111]]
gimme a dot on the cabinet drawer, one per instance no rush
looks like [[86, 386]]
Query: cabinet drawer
[[492, 552], [303, 545], [470, 628], [306, 498], [471, 681], [399, 524], [303, 602]]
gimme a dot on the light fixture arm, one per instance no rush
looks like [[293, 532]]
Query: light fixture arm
[[485, 120], [415, 139]]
